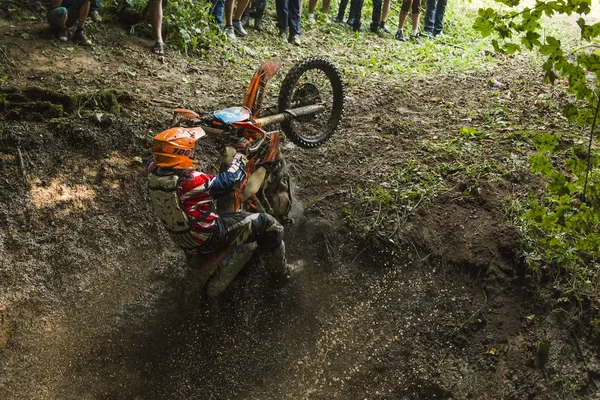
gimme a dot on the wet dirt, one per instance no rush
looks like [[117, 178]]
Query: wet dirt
[[89, 279]]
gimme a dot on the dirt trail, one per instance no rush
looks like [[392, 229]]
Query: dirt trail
[[89, 281]]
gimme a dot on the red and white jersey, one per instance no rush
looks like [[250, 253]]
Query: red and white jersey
[[184, 200]]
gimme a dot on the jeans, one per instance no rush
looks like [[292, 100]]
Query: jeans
[[355, 13], [217, 10], [376, 16], [434, 16], [95, 5], [342, 10], [288, 15]]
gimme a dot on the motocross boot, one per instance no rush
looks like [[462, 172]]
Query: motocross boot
[[276, 263]]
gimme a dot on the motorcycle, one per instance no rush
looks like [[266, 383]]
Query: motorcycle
[[309, 110]]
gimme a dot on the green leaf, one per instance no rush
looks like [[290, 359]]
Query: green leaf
[[541, 164], [545, 142]]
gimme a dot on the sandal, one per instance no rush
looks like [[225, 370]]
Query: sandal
[[158, 48]]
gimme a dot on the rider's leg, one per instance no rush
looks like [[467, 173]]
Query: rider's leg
[[242, 227]]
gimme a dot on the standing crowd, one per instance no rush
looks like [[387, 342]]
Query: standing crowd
[[64, 14]]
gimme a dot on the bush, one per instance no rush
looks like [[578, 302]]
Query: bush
[[187, 24]]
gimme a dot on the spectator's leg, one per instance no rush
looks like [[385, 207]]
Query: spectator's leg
[[416, 13], [429, 20], [57, 19], [342, 11], [376, 16], [228, 13], [294, 17], [84, 10], [356, 8], [282, 16], [217, 11], [311, 6], [241, 7], [325, 7], [439, 16], [78, 14], [402, 20], [156, 16], [385, 11], [95, 11], [259, 11]]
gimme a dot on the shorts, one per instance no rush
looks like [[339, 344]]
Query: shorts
[[54, 16]]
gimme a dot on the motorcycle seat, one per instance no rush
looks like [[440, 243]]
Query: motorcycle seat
[[233, 114]]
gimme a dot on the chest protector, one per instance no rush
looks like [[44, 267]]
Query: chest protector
[[163, 193]]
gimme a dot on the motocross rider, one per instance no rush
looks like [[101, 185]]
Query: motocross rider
[[184, 200]]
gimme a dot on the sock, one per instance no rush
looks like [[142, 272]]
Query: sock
[[414, 32]]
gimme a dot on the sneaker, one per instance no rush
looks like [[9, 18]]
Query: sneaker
[[239, 29], [350, 22], [79, 37], [384, 28], [95, 16], [62, 34], [295, 40], [282, 33], [258, 24], [339, 20], [311, 18], [245, 21], [230, 33], [427, 35], [400, 36], [416, 36]]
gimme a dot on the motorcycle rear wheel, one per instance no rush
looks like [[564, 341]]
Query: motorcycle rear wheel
[[298, 90]]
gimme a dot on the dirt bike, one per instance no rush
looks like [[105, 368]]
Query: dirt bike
[[309, 110]]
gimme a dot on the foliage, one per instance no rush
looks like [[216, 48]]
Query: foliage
[[560, 227], [186, 23], [517, 30], [561, 231]]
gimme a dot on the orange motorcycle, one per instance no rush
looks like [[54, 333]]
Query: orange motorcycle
[[310, 108]]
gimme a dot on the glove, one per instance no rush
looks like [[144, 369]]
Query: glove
[[243, 146]]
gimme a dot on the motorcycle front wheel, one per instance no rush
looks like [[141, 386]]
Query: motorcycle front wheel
[[313, 81]]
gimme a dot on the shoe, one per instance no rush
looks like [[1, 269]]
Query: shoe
[[95, 16], [350, 22], [245, 21], [79, 37], [416, 36], [62, 34], [400, 36], [427, 35], [158, 48], [384, 28], [295, 40], [311, 18], [282, 33], [258, 25], [239, 29], [339, 20], [230, 33]]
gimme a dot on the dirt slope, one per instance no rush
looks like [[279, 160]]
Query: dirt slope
[[89, 279]]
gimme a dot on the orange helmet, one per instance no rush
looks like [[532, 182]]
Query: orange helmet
[[174, 148]]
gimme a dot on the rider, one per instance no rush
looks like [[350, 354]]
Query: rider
[[184, 200]]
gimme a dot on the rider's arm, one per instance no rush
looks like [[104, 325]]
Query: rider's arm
[[225, 181]]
